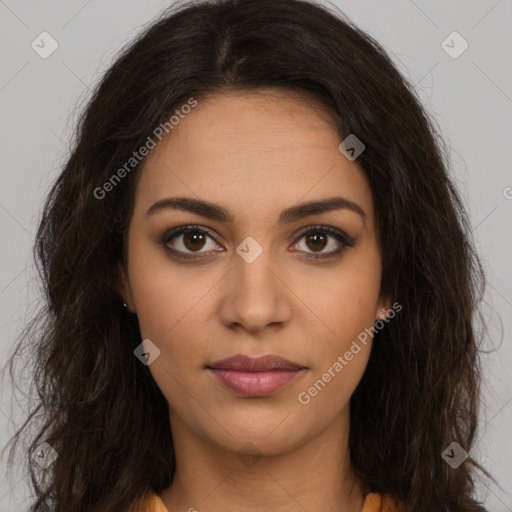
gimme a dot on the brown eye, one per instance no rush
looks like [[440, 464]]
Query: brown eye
[[194, 240], [187, 240], [316, 242], [318, 238]]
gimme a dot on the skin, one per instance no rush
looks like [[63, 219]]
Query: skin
[[255, 154]]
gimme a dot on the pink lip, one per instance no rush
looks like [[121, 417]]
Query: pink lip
[[249, 376]]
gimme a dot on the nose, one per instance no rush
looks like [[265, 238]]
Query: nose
[[255, 296]]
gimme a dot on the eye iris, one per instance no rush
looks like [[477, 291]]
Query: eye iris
[[319, 241], [197, 238]]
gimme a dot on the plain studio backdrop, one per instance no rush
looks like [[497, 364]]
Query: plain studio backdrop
[[457, 54]]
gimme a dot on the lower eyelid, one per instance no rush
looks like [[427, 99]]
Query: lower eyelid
[[344, 240], [167, 239]]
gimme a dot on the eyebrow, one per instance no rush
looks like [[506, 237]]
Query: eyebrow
[[216, 212]]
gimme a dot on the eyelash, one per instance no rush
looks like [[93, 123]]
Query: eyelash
[[345, 241]]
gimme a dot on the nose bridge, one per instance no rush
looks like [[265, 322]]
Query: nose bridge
[[255, 277], [256, 297]]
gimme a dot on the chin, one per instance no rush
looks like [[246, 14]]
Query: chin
[[259, 434]]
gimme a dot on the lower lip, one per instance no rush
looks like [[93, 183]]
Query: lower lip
[[254, 383]]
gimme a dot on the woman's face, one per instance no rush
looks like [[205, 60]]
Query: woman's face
[[256, 284]]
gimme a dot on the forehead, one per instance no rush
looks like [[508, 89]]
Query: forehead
[[253, 150], [267, 120]]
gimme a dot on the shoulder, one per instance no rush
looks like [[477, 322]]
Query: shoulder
[[378, 502], [373, 502], [149, 502]]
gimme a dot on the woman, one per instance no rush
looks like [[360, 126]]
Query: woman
[[260, 280]]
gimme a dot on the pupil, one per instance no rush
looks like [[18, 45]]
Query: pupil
[[196, 237], [318, 241]]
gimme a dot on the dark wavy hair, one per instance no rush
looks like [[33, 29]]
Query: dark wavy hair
[[101, 410]]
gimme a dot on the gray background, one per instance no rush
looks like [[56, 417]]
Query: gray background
[[469, 96]]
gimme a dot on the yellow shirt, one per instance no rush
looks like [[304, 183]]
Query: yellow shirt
[[373, 502]]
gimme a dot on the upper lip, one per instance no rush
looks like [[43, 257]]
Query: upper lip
[[245, 363]]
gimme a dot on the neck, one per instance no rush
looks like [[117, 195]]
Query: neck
[[317, 476]]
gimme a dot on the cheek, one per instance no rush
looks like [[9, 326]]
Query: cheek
[[329, 390], [163, 295], [172, 307], [347, 302], [340, 359], [348, 309]]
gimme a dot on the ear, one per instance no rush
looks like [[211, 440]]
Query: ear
[[382, 308], [124, 288]]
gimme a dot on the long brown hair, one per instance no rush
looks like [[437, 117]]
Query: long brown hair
[[100, 409]]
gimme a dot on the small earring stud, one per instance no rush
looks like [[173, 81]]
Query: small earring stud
[[125, 305], [383, 314]]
